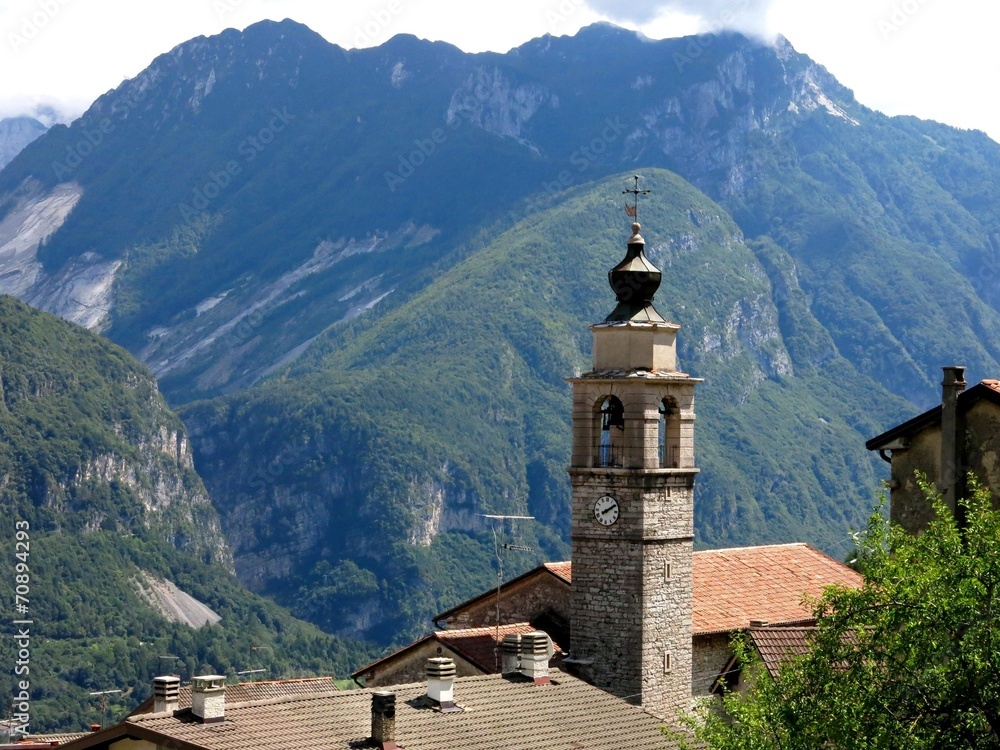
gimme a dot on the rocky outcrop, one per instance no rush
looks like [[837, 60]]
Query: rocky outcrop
[[80, 292], [493, 101]]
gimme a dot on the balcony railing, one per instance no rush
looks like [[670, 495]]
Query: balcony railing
[[670, 456], [609, 457]]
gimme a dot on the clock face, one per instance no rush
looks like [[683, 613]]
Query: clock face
[[606, 510]]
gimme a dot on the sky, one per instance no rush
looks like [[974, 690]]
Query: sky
[[936, 59]]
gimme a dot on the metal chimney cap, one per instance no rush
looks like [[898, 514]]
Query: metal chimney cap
[[440, 668]]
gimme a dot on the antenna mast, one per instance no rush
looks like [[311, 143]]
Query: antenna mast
[[499, 546], [103, 703]]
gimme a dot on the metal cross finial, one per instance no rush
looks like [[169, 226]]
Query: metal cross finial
[[633, 210]]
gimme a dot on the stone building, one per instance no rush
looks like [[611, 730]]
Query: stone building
[[731, 589], [642, 615], [945, 443]]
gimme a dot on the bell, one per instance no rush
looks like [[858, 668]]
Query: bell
[[614, 414]]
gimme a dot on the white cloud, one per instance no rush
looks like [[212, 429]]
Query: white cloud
[[936, 58], [749, 16]]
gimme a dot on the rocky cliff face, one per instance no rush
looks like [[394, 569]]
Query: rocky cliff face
[[15, 134], [80, 291], [89, 442]]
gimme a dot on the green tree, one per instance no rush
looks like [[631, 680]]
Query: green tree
[[909, 660]]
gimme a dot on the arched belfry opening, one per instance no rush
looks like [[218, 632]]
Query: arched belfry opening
[[669, 434], [610, 438], [633, 472]]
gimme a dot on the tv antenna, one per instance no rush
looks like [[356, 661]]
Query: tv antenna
[[250, 671], [103, 703], [500, 547]]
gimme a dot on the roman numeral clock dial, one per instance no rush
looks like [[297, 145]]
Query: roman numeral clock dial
[[606, 510]]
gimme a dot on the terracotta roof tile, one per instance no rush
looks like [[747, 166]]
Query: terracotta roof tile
[[562, 569], [778, 646], [734, 586], [479, 645], [241, 692], [58, 739], [769, 583], [499, 713]]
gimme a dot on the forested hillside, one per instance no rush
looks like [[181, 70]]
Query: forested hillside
[[361, 276], [99, 495]]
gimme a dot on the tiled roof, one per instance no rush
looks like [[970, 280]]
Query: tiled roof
[[769, 583], [985, 389], [734, 586], [475, 645], [56, 739], [562, 569], [777, 646], [242, 692], [498, 713], [478, 645]]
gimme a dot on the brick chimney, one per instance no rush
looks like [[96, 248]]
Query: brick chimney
[[441, 683], [208, 698], [510, 653], [952, 439], [166, 694], [384, 720], [536, 650]]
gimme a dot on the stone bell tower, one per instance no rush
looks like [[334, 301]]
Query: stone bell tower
[[633, 487]]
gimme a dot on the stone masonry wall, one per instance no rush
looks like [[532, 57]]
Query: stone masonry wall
[[523, 602]]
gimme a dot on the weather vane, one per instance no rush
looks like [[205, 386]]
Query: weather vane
[[633, 210]]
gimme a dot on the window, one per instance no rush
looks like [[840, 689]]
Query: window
[[611, 433], [669, 434]]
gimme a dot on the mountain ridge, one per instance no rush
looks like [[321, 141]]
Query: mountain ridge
[[834, 258]]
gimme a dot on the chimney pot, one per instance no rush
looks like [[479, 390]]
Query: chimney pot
[[536, 650], [384, 719], [441, 683], [510, 653], [208, 698], [952, 438], [758, 623], [166, 694]]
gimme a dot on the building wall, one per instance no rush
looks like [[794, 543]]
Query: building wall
[[524, 602], [908, 507], [129, 744], [710, 654], [982, 424], [410, 666]]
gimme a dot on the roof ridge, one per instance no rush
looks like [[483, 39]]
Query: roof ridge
[[759, 546]]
